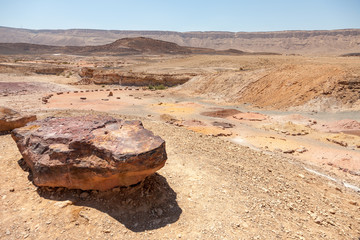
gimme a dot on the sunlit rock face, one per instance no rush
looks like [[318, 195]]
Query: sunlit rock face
[[89, 152], [11, 119]]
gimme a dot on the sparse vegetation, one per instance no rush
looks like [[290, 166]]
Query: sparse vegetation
[[158, 87]]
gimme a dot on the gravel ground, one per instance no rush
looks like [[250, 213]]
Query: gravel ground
[[209, 188]]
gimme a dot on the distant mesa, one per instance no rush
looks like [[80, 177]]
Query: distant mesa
[[124, 46], [316, 42]]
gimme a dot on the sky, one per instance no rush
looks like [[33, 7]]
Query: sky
[[182, 15]]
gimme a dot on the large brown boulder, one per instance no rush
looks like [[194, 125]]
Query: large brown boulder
[[91, 152], [10, 119]]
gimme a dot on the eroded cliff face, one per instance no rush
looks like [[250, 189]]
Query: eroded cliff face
[[101, 76], [332, 42]]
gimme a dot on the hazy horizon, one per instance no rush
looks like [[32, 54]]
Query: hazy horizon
[[155, 30], [184, 16]]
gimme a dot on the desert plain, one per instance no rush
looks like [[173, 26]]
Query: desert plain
[[260, 146]]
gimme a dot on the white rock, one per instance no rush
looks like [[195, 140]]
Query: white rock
[[63, 204]]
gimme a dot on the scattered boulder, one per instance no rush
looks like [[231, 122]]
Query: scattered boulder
[[10, 119], [89, 152], [341, 143]]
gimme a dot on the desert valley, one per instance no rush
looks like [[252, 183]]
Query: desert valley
[[262, 132]]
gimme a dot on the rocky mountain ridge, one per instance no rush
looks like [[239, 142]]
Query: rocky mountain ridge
[[124, 46], [321, 42]]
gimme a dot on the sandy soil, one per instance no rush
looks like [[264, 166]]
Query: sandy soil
[[209, 188], [248, 175]]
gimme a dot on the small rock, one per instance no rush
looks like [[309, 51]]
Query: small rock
[[301, 150], [48, 222], [63, 204], [159, 211], [289, 151], [110, 94], [300, 175], [12, 189], [332, 211], [353, 203], [83, 98], [319, 220], [338, 189], [7, 232], [84, 195], [116, 190]]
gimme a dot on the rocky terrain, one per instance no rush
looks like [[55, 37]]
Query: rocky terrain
[[332, 42], [319, 84], [258, 146]]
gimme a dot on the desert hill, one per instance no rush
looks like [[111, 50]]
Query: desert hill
[[124, 46], [325, 42]]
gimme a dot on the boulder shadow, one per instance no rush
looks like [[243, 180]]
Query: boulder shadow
[[148, 205], [2, 133]]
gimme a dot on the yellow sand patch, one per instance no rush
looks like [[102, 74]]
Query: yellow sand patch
[[210, 130], [274, 143], [173, 108]]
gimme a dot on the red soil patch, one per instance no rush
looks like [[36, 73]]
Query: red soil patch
[[223, 113], [15, 88], [249, 116]]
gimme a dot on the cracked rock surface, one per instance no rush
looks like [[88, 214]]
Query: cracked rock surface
[[89, 152]]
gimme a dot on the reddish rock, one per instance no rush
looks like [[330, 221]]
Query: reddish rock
[[10, 119], [91, 152]]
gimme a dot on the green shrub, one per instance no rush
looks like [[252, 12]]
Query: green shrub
[[157, 87]]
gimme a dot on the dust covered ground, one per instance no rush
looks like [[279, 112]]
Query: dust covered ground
[[220, 181]]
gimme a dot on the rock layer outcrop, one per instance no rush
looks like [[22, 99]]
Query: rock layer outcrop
[[91, 152], [103, 76], [11, 119]]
